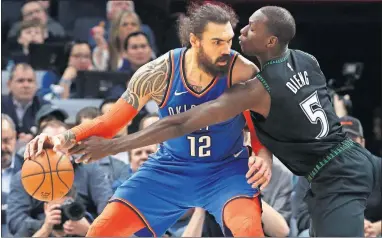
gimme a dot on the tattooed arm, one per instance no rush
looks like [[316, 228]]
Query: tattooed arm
[[149, 82]]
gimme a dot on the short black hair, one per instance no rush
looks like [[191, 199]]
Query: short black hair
[[87, 112], [280, 23], [199, 14], [107, 101], [134, 34]]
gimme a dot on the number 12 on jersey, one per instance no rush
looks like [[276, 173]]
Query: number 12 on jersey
[[200, 147], [315, 114]]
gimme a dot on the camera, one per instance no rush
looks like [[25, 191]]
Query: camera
[[70, 210], [351, 73]]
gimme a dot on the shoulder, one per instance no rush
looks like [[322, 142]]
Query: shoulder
[[308, 56], [243, 69]]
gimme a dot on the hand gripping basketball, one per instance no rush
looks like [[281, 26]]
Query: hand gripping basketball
[[43, 141]]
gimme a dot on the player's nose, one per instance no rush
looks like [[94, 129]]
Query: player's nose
[[244, 30]]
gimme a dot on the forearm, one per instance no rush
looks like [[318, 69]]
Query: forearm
[[156, 133], [44, 231], [274, 224], [107, 125], [195, 226]]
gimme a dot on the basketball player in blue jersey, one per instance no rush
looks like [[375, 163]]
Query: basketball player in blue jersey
[[206, 168], [294, 118]]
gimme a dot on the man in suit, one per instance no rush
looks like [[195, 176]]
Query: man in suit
[[22, 103], [10, 163]]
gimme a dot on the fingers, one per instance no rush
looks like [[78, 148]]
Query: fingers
[[254, 167], [40, 143], [251, 160], [32, 147], [86, 158], [267, 180], [257, 175], [77, 149], [262, 180]]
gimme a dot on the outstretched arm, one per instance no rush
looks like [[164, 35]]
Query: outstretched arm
[[248, 95], [149, 82]]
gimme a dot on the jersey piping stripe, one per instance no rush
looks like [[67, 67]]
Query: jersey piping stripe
[[265, 84], [229, 78]]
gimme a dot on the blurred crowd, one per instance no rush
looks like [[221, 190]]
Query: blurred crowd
[[49, 101]]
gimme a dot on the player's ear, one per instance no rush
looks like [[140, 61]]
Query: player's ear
[[194, 40], [272, 41]]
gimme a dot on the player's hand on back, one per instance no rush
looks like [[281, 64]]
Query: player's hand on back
[[260, 171], [61, 142]]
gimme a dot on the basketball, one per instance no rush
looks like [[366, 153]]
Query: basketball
[[47, 177]]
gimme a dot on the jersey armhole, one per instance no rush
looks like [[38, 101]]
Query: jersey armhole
[[230, 69], [264, 82], [169, 78]]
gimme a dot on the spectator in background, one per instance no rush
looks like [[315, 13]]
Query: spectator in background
[[113, 9], [50, 112], [53, 217], [137, 50], [26, 214], [31, 31], [373, 215], [22, 103], [136, 158], [111, 55], [33, 10], [148, 120], [104, 107], [111, 166], [10, 164], [78, 55]]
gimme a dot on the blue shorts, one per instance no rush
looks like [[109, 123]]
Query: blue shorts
[[164, 188]]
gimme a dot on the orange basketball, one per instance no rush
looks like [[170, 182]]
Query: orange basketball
[[47, 177]]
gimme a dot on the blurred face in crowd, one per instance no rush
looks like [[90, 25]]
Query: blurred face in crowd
[[115, 7], [80, 57], [105, 108], [148, 121], [129, 24], [23, 84], [139, 156], [8, 143], [138, 50], [31, 35], [34, 10]]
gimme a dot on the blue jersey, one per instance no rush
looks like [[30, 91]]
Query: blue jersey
[[215, 142]]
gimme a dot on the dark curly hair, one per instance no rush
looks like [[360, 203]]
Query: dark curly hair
[[199, 15]]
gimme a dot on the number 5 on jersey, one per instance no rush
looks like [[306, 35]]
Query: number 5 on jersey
[[315, 114], [203, 144]]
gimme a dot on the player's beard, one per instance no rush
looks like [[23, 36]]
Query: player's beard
[[210, 67]]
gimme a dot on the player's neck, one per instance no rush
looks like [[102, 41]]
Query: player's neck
[[194, 73], [273, 54]]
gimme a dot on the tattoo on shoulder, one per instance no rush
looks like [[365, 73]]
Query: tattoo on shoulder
[[150, 79]]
